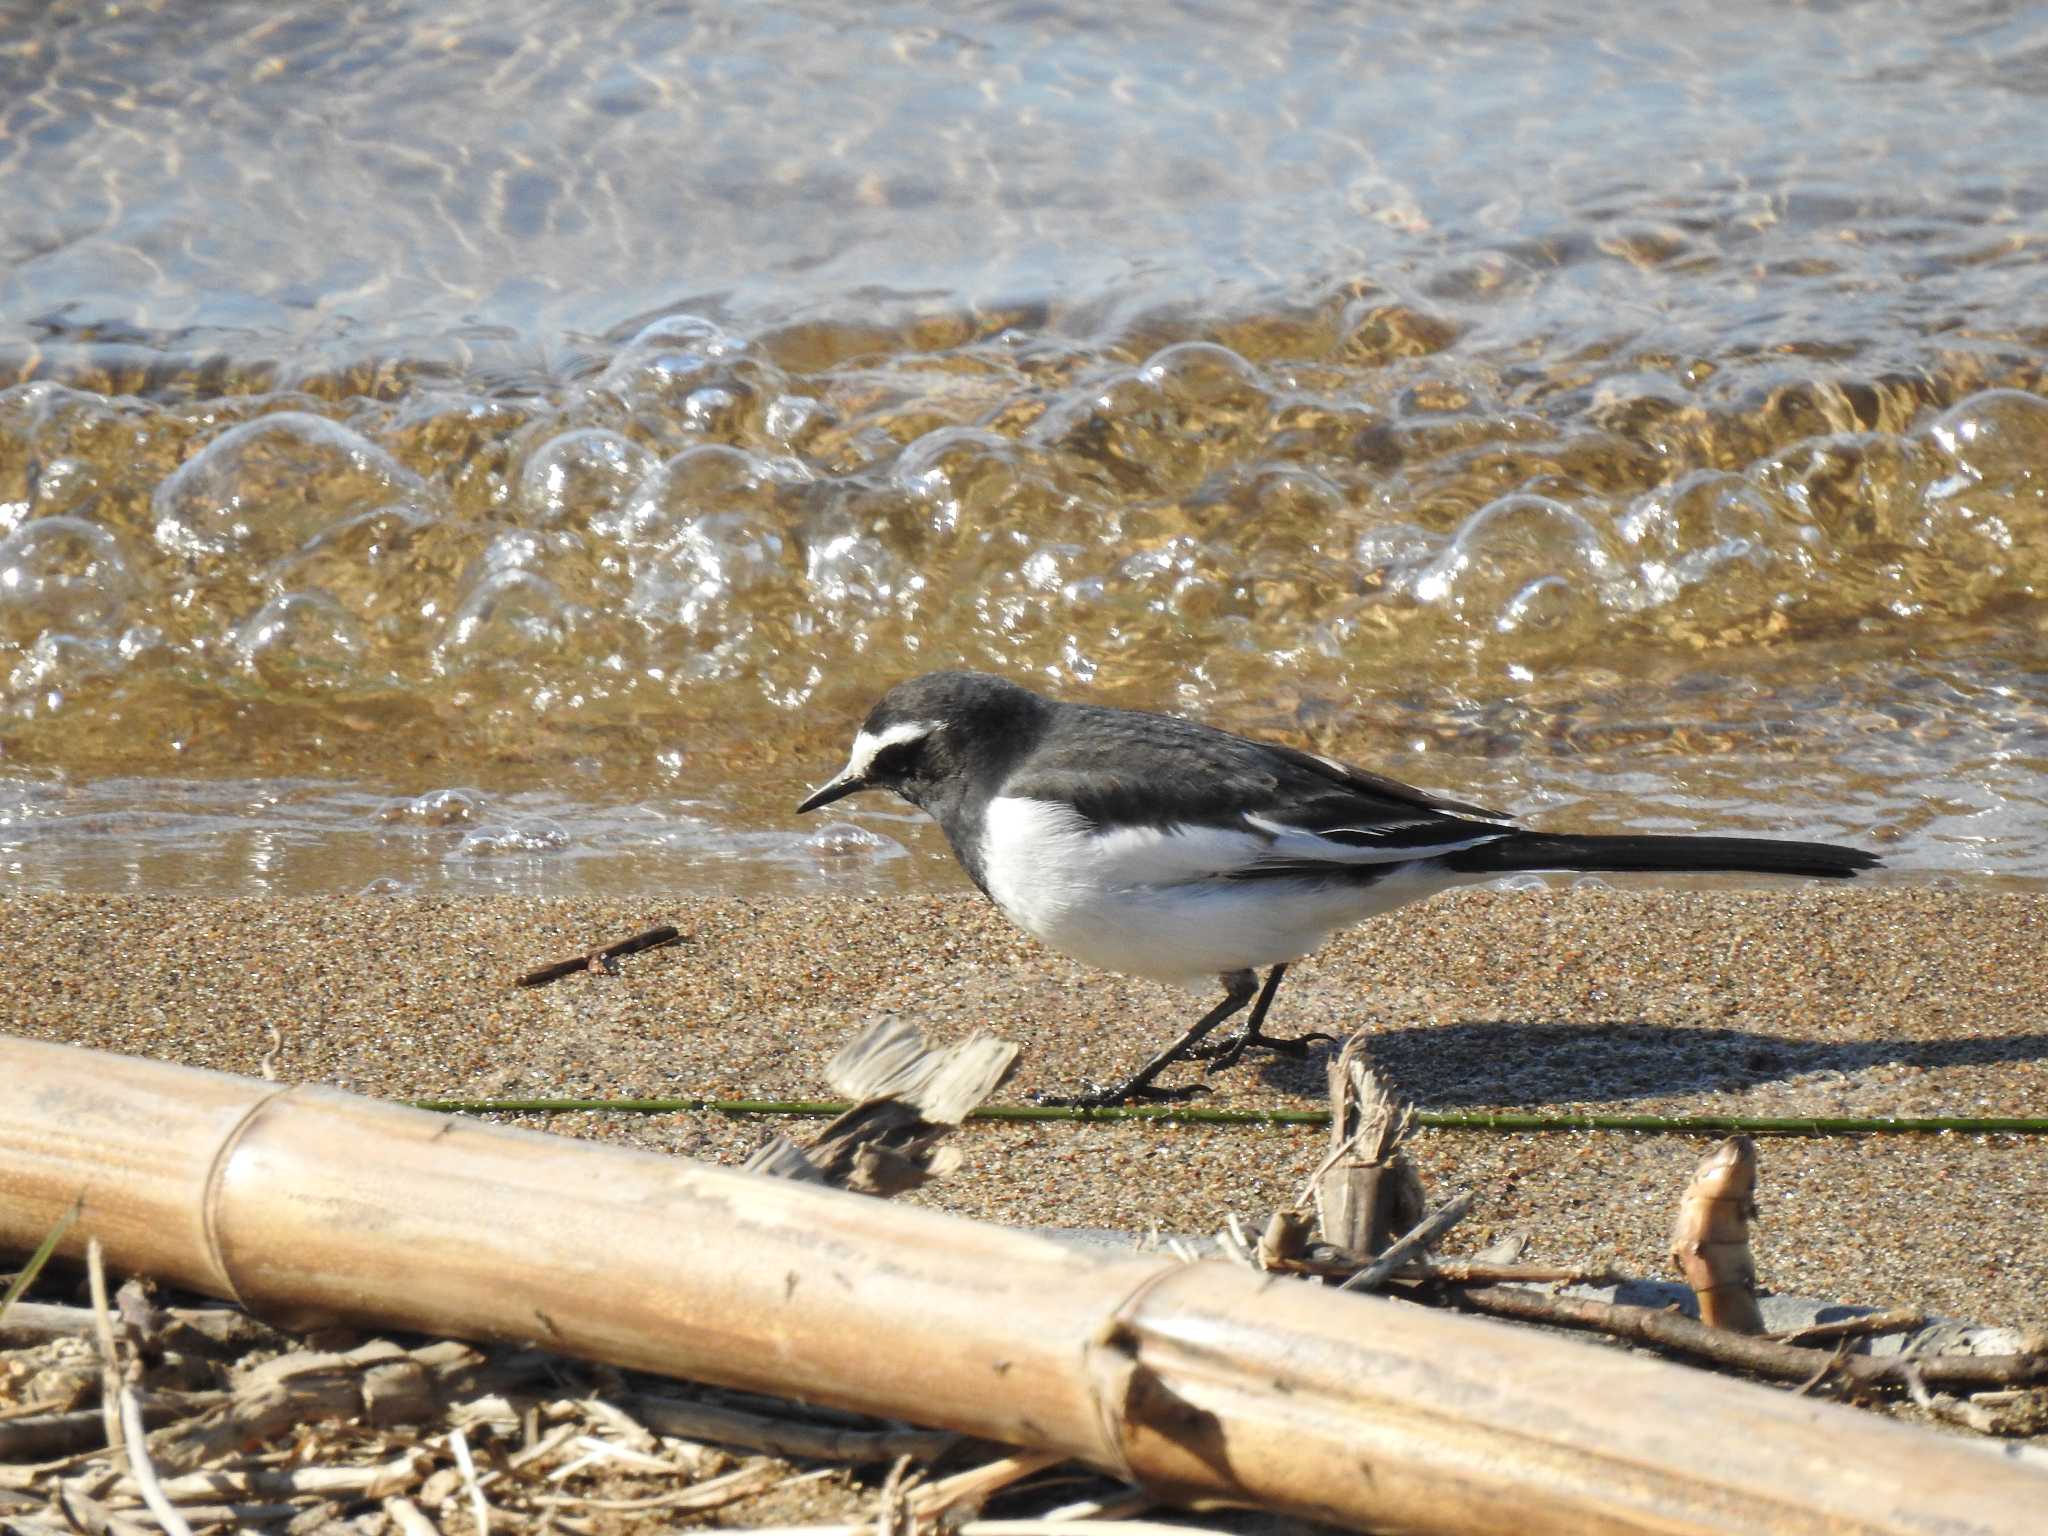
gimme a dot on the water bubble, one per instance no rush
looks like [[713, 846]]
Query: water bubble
[[795, 420], [1860, 488], [714, 568], [693, 482], [507, 619], [964, 477], [465, 445], [685, 335], [1989, 497], [1547, 603], [452, 807], [300, 640], [684, 376], [844, 841], [394, 568], [536, 835], [261, 490], [56, 663], [1201, 376], [1389, 557], [1997, 437], [63, 574], [1719, 528], [852, 570], [1519, 548], [580, 477]]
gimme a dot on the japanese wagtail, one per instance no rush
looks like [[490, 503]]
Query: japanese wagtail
[[1158, 847]]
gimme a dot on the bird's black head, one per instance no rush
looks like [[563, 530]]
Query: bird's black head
[[933, 738]]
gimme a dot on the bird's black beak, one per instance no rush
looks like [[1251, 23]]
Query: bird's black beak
[[834, 789]]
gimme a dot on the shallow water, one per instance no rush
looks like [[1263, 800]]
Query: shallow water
[[511, 445]]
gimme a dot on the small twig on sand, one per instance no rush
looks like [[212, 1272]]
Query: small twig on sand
[[1478, 1272], [601, 959], [1412, 1246], [1869, 1325], [1749, 1353]]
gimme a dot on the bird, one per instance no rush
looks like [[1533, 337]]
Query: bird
[[1151, 845]]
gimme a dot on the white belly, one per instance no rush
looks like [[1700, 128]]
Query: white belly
[[1159, 903]]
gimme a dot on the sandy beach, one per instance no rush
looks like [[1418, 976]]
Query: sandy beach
[[1870, 1001]]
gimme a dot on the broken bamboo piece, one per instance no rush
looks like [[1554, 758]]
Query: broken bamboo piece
[[1204, 1383], [1710, 1237]]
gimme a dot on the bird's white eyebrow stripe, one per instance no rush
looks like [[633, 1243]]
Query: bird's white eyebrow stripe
[[867, 748]]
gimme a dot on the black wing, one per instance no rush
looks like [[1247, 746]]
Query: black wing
[[1123, 767]]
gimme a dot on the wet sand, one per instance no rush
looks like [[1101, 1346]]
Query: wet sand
[[1870, 1001]]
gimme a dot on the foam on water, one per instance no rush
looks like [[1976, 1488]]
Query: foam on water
[[1641, 430]]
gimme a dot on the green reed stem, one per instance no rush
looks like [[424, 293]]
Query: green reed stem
[[1195, 1114]]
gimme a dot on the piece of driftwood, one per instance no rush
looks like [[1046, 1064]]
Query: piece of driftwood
[[1710, 1237], [907, 1097], [1203, 1383]]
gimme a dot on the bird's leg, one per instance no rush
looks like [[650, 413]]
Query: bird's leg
[[1239, 988], [1227, 1053]]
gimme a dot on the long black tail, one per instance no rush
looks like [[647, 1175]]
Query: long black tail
[[1668, 855]]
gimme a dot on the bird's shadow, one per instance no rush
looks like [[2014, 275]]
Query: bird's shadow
[[1523, 1062]]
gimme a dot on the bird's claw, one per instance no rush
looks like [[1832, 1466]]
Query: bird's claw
[[1227, 1053]]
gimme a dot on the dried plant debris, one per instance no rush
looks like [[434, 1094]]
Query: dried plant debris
[[1366, 1192], [232, 1424], [148, 1412], [237, 1426], [1993, 1380], [1710, 1239], [259, 1430], [907, 1097]]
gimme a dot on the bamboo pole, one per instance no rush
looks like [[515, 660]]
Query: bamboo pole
[[1208, 1383]]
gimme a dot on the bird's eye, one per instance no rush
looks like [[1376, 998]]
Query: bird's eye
[[895, 760]]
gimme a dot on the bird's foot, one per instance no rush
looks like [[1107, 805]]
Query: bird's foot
[[1227, 1053], [1127, 1093]]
